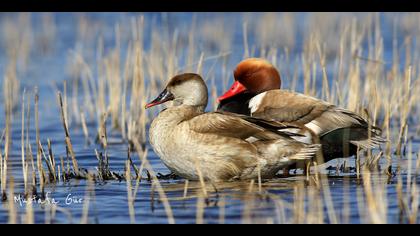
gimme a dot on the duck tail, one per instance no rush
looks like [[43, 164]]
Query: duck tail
[[307, 152], [373, 142]]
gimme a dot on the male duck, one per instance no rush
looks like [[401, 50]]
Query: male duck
[[256, 92]]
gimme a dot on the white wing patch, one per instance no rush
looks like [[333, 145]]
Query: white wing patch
[[314, 127], [255, 102]]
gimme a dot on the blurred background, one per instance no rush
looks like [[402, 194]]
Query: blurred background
[[108, 65]]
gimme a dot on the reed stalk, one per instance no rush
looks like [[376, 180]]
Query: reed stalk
[[156, 182], [67, 135]]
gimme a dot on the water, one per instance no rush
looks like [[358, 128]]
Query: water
[[230, 204]]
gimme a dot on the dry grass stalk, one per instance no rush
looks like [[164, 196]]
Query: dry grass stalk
[[201, 179], [405, 109], [139, 177], [298, 204], [126, 76], [332, 216], [12, 211], [245, 39], [112, 72], [41, 173], [74, 101], [130, 197], [102, 135], [84, 127], [7, 135], [30, 157], [160, 190], [103, 170], [200, 207], [185, 189], [249, 207], [11, 86], [3, 163], [90, 193], [315, 213], [29, 217], [18, 37], [81, 70], [64, 171], [136, 118], [67, 136], [222, 209], [24, 164], [376, 207]]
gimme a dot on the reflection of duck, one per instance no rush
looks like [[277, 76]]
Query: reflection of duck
[[218, 145], [180, 190], [257, 92]]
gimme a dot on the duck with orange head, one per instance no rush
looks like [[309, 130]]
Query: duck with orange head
[[257, 92]]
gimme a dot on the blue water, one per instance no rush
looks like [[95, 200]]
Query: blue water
[[48, 71]]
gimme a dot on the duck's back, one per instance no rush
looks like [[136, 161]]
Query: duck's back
[[340, 130]]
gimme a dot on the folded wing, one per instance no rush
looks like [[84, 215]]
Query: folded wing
[[239, 126]]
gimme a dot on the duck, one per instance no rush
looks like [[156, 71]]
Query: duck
[[218, 146], [257, 92]]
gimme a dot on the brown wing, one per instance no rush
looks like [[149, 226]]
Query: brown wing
[[320, 116], [237, 126], [286, 106]]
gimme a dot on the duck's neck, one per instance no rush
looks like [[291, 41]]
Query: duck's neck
[[237, 104]]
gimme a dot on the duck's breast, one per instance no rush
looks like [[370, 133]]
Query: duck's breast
[[217, 157]]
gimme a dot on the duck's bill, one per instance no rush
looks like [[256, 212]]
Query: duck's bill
[[237, 88], [163, 97]]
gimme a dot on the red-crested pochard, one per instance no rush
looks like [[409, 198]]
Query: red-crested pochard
[[256, 92], [221, 146]]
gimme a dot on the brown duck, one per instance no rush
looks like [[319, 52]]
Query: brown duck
[[256, 92], [219, 146]]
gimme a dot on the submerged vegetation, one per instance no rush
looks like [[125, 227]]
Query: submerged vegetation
[[367, 63]]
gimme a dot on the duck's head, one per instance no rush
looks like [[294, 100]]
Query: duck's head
[[184, 89], [255, 76]]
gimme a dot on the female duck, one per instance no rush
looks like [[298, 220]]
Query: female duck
[[219, 146], [256, 92]]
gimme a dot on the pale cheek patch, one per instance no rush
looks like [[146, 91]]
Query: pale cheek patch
[[256, 102]]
